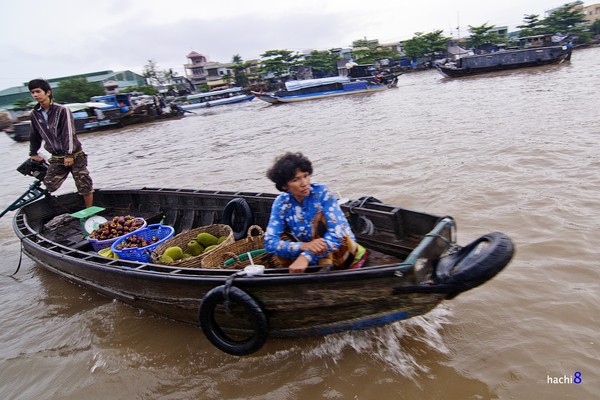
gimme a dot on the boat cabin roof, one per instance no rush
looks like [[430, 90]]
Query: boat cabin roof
[[214, 93], [295, 85], [114, 99]]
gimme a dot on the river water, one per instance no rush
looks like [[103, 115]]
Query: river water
[[515, 152]]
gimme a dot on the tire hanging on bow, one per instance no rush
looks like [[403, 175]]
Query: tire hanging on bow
[[229, 296]]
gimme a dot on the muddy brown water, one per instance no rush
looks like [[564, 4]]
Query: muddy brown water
[[515, 152]]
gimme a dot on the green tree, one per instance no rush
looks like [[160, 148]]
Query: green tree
[[595, 27], [531, 25], [426, 45], [322, 63], [151, 73], [168, 75], [565, 18], [568, 19], [77, 90], [369, 51], [146, 89], [236, 59], [23, 104], [278, 62], [227, 78], [239, 70], [481, 35]]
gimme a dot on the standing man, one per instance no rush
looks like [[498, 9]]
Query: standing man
[[54, 125]]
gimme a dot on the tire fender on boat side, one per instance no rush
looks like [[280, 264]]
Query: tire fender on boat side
[[215, 334], [241, 205], [478, 261]]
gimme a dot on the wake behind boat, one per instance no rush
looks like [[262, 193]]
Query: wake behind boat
[[414, 263], [311, 89]]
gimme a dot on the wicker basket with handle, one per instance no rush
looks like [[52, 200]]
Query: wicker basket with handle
[[182, 239], [235, 255]]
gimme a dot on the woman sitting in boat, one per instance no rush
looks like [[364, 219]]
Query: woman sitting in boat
[[307, 225]]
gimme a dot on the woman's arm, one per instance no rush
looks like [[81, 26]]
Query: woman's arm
[[335, 222], [275, 229]]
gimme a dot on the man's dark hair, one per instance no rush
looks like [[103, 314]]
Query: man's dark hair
[[285, 168], [39, 84]]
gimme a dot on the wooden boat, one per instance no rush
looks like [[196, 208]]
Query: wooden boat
[[508, 59], [19, 132], [111, 119], [216, 98], [149, 114], [414, 264], [312, 89], [94, 115]]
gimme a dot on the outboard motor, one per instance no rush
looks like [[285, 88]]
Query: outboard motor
[[37, 169]]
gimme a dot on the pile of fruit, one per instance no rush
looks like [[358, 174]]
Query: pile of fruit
[[107, 252], [203, 243], [135, 241], [118, 226]]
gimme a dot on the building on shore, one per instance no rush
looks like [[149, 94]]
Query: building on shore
[[592, 12], [216, 75], [110, 80]]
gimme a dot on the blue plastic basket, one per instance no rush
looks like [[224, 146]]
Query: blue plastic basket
[[142, 254]]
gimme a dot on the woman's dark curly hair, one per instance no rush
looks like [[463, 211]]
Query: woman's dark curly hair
[[285, 167]]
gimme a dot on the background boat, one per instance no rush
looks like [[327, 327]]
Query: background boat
[[216, 98], [312, 89], [534, 51]]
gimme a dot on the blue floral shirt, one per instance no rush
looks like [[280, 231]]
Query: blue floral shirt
[[287, 215]]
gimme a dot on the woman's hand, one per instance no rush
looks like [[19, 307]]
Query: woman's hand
[[299, 265], [315, 246]]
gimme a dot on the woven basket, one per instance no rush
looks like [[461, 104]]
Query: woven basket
[[182, 239], [237, 251]]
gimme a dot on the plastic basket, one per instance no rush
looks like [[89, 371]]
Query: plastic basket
[[143, 254], [98, 245]]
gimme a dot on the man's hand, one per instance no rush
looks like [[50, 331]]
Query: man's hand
[[68, 161]]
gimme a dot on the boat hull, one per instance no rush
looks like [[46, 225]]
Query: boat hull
[[506, 60]]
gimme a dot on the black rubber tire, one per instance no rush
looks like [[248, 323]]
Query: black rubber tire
[[478, 261], [238, 204], [215, 334]]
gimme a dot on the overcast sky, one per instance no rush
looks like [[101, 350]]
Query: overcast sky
[[58, 38]]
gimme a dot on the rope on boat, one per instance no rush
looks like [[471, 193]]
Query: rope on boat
[[453, 246], [227, 287], [20, 258], [369, 228]]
